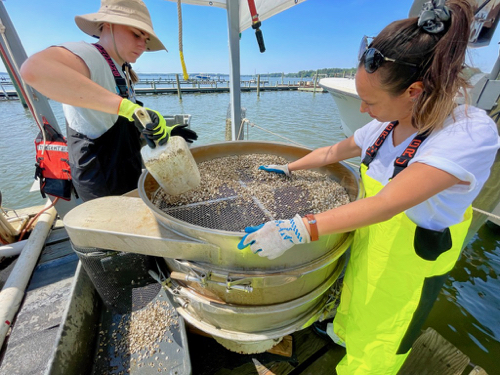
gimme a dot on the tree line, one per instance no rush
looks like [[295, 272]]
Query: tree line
[[330, 72]]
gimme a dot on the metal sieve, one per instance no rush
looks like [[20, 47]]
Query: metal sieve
[[221, 289]]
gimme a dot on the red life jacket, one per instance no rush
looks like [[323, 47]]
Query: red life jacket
[[52, 163]]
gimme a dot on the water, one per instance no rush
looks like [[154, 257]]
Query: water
[[311, 124], [467, 312]]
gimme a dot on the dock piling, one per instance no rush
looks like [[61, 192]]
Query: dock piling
[[179, 94]]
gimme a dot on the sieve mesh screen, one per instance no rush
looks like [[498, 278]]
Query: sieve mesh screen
[[235, 194]]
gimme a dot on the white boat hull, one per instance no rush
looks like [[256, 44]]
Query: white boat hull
[[348, 103]]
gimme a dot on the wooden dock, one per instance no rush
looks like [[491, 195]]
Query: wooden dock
[[202, 89], [164, 86]]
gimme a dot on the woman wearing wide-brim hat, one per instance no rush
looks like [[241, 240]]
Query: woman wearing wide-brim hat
[[94, 82]]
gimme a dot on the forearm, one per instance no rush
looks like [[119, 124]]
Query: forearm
[[397, 196], [327, 155], [62, 82], [354, 215]]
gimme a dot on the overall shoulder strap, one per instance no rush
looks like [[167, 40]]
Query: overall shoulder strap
[[121, 83], [409, 153], [371, 151]]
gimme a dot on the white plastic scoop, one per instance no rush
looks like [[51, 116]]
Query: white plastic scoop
[[172, 165]]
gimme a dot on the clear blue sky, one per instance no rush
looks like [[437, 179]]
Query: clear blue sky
[[312, 35]]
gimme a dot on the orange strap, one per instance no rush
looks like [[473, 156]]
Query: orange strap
[[313, 225]]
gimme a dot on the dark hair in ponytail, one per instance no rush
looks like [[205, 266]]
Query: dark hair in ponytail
[[439, 57]]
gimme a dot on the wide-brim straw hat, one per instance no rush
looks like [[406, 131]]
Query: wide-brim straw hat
[[122, 12]]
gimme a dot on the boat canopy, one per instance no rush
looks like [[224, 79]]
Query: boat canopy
[[265, 8]]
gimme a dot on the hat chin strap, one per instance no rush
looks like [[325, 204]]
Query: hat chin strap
[[114, 43], [125, 66]]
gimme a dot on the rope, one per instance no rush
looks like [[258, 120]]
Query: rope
[[181, 53], [489, 214], [244, 120], [275, 134], [353, 165]]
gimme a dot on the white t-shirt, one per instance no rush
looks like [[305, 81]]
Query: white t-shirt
[[90, 122], [465, 148]]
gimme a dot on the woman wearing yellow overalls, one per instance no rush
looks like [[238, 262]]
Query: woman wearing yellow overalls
[[424, 160]]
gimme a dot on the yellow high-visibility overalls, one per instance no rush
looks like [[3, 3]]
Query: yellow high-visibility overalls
[[393, 277]]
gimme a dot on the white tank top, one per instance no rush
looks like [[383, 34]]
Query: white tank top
[[88, 121]]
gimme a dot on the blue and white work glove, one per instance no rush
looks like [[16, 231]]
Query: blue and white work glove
[[273, 238], [280, 169]]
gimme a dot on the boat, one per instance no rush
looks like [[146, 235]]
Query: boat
[[202, 77], [343, 91], [77, 319]]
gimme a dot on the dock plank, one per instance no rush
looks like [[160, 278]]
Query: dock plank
[[325, 365], [432, 354], [284, 348]]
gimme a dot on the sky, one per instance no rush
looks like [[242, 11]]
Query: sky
[[312, 35]]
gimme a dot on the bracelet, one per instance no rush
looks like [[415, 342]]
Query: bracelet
[[313, 225]]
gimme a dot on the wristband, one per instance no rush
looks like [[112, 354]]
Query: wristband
[[313, 225]]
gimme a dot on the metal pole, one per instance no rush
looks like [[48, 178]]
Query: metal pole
[[10, 42], [233, 15]]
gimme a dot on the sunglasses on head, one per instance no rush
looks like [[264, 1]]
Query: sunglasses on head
[[373, 58]]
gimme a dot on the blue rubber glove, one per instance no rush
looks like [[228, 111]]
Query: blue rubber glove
[[280, 169], [273, 238]]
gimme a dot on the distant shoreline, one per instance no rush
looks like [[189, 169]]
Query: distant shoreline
[[305, 74]]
